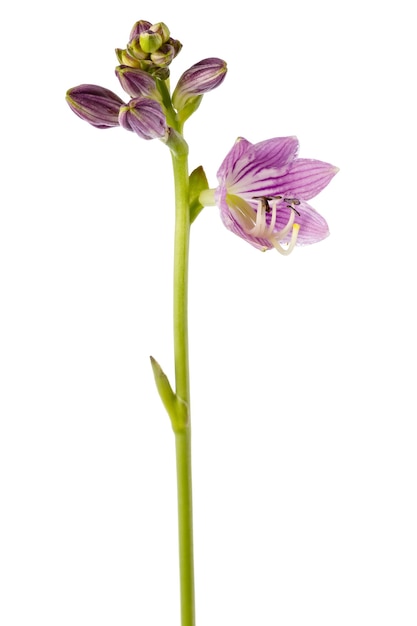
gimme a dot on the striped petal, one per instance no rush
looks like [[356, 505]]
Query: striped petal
[[313, 227], [304, 179], [259, 164]]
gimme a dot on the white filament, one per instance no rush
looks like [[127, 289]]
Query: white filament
[[265, 231]]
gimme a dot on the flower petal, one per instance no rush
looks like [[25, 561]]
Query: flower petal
[[233, 156], [304, 180], [313, 227], [230, 218], [260, 163]]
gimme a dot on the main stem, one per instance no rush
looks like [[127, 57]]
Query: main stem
[[182, 384]]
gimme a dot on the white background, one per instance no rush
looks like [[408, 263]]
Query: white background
[[303, 368]]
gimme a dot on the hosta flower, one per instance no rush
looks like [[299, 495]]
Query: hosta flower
[[263, 192]]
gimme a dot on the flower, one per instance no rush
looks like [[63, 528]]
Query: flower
[[263, 192], [96, 105]]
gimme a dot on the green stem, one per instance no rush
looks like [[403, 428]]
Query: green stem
[[182, 387], [185, 527]]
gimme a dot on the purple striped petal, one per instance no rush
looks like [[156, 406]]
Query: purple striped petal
[[226, 169], [305, 179], [261, 162], [313, 227]]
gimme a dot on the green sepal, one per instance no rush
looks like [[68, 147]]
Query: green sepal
[[176, 408], [198, 182]]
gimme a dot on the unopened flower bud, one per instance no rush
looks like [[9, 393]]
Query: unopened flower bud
[[162, 29], [150, 41], [96, 105], [176, 44], [134, 48], [138, 28], [137, 82], [125, 58], [163, 56], [198, 80], [144, 117]]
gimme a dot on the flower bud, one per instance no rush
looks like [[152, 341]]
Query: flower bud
[[176, 44], [96, 105], [150, 41], [125, 58], [162, 29], [198, 80], [164, 55], [137, 82], [135, 50], [138, 28], [144, 117]]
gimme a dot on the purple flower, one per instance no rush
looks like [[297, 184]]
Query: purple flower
[[263, 192], [96, 105], [144, 117]]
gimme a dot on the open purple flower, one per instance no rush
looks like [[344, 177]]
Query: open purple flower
[[263, 192]]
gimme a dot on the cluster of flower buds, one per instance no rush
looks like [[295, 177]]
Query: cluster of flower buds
[[150, 111], [150, 48]]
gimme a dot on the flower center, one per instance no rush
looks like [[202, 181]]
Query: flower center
[[268, 206]]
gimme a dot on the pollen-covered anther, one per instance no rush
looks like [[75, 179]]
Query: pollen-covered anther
[[291, 202]]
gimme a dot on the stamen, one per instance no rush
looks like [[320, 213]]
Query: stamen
[[290, 247], [263, 230], [260, 224], [284, 231], [270, 229]]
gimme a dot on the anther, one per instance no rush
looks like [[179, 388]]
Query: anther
[[264, 202]]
